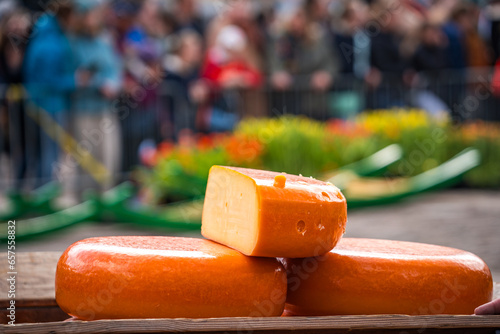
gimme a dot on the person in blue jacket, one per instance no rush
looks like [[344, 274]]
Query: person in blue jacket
[[50, 77], [93, 120]]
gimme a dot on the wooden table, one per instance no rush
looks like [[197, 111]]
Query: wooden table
[[35, 294], [37, 312]]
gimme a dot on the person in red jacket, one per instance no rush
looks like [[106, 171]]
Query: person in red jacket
[[226, 65], [226, 69], [495, 80]]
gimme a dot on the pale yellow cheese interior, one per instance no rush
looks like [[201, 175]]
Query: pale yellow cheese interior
[[231, 210]]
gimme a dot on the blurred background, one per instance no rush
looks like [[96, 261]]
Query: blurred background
[[94, 93]]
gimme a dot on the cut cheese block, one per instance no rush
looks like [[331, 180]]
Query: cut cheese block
[[270, 214], [366, 276], [166, 277]]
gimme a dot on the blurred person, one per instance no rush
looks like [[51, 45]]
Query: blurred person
[[429, 60], [439, 11], [14, 30], [455, 29], [494, 102], [51, 77], [146, 43], [240, 16], [479, 57], [430, 55], [495, 80], [411, 15], [344, 29], [491, 26], [187, 16], [226, 69], [91, 116], [121, 16], [36, 5], [319, 12], [7, 7], [477, 53], [301, 58], [182, 71], [226, 64], [302, 51], [232, 70], [153, 29], [351, 40], [264, 18], [388, 63], [352, 43]]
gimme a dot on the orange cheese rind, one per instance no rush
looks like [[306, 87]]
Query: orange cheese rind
[[166, 277], [280, 181], [369, 276], [269, 214]]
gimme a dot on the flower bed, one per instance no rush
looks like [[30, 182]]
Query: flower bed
[[299, 145]]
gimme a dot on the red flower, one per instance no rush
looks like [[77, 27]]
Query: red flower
[[242, 149]]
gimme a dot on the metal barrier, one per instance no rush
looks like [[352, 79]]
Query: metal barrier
[[161, 112]]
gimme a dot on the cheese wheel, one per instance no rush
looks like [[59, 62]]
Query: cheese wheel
[[262, 213], [366, 276], [166, 277]]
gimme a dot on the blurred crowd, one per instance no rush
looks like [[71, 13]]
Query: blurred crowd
[[94, 78]]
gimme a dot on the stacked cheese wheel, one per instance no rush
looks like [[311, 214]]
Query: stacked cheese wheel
[[274, 244]]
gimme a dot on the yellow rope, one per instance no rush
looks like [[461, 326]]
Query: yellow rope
[[69, 145]]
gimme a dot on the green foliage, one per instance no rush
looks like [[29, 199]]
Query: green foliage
[[299, 145]]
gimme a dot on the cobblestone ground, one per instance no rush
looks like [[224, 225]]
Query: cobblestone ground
[[465, 219]]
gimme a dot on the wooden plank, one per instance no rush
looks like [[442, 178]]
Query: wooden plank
[[35, 279], [338, 324], [35, 294], [34, 314]]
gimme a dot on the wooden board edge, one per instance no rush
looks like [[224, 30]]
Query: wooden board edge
[[386, 322]]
